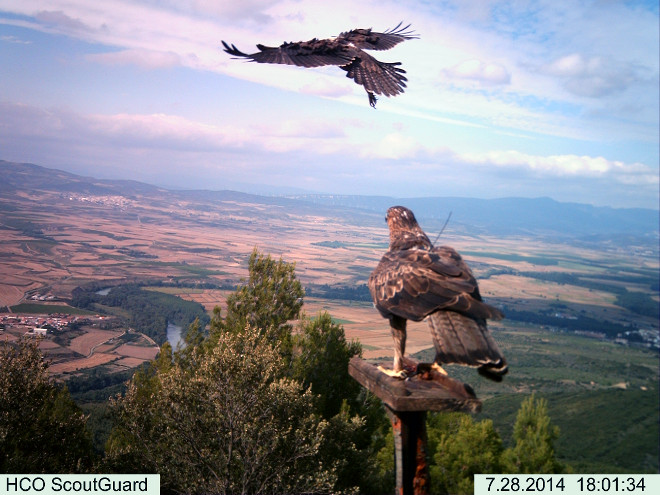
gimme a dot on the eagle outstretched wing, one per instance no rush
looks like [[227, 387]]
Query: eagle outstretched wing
[[366, 39], [345, 51], [415, 280], [312, 53]]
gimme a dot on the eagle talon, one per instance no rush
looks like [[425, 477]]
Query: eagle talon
[[439, 369], [401, 375]]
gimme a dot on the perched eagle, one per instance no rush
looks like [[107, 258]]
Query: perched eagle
[[346, 51], [415, 280]]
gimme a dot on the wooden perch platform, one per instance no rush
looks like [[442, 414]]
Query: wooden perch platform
[[426, 390], [407, 401]]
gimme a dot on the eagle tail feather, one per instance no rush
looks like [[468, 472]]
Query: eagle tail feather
[[459, 339]]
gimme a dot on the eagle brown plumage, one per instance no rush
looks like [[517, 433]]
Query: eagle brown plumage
[[345, 51], [415, 280]]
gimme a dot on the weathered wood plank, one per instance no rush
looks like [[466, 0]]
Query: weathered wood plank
[[427, 390]]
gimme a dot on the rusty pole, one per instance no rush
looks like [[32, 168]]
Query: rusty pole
[[410, 464]]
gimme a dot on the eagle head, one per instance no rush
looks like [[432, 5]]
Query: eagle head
[[405, 232], [401, 218]]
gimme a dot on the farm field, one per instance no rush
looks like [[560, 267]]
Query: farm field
[[91, 338], [77, 240], [100, 347], [107, 235], [86, 347]]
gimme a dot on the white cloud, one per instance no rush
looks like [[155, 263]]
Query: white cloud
[[164, 131], [250, 10], [14, 40], [476, 70], [592, 76], [566, 165], [393, 146], [146, 59], [328, 155], [569, 66], [61, 21], [320, 137], [327, 87], [135, 131]]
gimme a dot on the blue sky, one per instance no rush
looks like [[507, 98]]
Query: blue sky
[[505, 98]]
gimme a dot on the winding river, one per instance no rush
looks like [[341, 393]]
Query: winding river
[[174, 335]]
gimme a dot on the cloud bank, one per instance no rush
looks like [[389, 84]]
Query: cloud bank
[[522, 98]]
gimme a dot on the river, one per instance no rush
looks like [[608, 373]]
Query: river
[[174, 335]]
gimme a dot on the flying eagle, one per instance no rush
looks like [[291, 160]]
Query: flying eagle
[[346, 51], [415, 280]]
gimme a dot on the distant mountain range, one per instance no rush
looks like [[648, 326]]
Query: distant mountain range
[[511, 215], [506, 216]]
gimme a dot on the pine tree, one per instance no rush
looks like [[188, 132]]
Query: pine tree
[[42, 430], [268, 300], [321, 361], [227, 424], [462, 449], [534, 436]]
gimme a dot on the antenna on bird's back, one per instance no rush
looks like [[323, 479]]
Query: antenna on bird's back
[[443, 228]]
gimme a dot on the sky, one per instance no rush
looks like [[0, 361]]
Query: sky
[[515, 98]]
